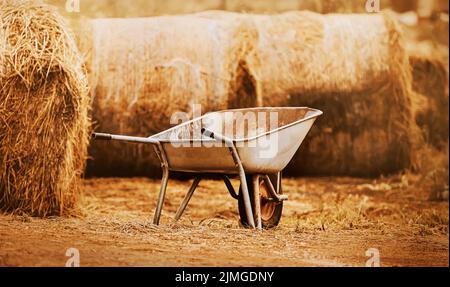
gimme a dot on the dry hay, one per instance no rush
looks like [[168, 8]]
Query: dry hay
[[43, 111], [143, 70], [355, 69], [431, 99]]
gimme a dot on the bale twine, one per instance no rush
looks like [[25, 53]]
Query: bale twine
[[144, 70], [43, 111]]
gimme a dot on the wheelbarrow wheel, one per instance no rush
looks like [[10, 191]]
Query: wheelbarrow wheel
[[270, 211]]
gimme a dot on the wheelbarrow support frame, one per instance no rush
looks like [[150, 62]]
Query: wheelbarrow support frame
[[234, 153], [159, 149], [164, 181]]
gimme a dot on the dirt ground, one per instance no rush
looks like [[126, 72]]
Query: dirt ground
[[326, 222]]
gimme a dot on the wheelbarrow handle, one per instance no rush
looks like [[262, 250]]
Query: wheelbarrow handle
[[101, 136], [217, 137]]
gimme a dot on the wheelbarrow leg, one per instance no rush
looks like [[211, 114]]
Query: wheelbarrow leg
[[187, 198], [247, 203], [162, 194], [244, 188], [256, 196]]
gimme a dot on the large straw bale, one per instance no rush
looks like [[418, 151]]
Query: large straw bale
[[354, 68], [43, 111], [431, 99], [144, 70]]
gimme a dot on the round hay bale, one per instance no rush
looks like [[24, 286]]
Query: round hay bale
[[142, 71], [355, 69], [430, 86], [43, 111]]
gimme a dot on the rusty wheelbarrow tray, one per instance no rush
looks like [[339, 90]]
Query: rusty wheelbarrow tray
[[254, 143]]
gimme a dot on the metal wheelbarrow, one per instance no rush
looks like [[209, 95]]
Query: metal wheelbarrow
[[254, 143]]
